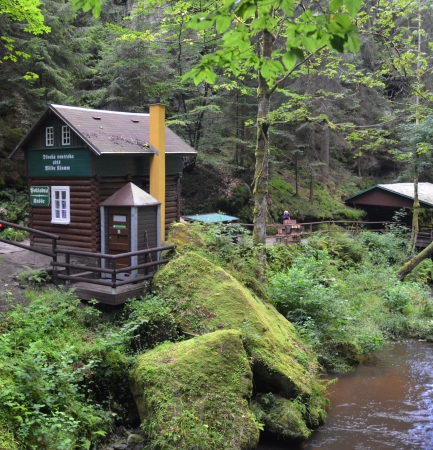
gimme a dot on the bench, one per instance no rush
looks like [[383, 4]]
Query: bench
[[289, 232]]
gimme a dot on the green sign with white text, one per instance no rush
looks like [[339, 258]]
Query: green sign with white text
[[39, 196], [59, 163]]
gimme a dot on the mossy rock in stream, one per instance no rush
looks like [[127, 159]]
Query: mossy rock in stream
[[209, 299], [195, 394], [281, 417]]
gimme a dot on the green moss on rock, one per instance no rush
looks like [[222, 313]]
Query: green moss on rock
[[195, 394], [210, 299], [185, 236], [281, 417]]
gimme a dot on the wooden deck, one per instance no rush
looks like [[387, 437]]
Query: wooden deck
[[108, 295]]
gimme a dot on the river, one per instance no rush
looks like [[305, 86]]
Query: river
[[383, 404]]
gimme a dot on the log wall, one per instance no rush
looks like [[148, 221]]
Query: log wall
[[84, 230], [79, 233]]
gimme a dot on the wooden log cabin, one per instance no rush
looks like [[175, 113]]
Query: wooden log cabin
[[76, 158]]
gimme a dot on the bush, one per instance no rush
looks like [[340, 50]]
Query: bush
[[51, 366], [12, 234], [15, 204]]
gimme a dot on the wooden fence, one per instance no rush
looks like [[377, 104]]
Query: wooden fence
[[112, 281]]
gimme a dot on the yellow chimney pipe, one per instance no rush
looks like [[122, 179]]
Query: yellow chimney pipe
[[157, 161]]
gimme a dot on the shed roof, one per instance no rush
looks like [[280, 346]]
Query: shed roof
[[425, 191], [210, 218], [112, 132], [130, 195]]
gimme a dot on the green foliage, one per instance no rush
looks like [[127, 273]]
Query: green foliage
[[12, 234], [422, 272], [149, 321], [241, 23], [41, 376], [15, 205], [385, 248], [34, 277]]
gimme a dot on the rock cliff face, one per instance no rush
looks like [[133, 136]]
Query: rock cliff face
[[204, 384]]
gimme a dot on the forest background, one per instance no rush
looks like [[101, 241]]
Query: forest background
[[340, 123]]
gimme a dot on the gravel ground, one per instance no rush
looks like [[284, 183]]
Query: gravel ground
[[12, 262]]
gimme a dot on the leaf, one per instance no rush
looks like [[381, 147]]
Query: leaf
[[97, 9], [353, 6], [264, 70], [353, 44], [287, 7], [337, 43], [223, 22], [335, 5], [289, 60]]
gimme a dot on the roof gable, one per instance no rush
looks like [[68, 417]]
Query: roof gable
[[406, 190], [111, 132]]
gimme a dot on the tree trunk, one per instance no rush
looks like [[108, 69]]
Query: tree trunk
[[261, 176], [311, 199], [260, 182], [416, 207], [324, 152], [410, 265]]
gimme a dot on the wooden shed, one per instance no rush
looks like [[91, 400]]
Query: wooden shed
[[383, 200], [129, 223], [76, 158]]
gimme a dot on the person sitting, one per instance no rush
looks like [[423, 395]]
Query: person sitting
[[284, 216]]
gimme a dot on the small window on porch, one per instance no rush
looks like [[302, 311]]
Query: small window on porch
[[60, 205], [49, 136]]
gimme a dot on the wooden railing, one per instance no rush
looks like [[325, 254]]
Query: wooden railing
[[351, 226], [53, 237], [148, 265], [347, 225]]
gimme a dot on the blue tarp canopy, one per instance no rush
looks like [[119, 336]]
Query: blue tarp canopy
[[210, 218]]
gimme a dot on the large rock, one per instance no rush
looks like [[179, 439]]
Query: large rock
[[209, 299], [195, 394]]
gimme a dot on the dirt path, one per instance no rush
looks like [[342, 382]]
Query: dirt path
[[12, 262]]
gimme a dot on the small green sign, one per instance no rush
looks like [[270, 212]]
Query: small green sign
[[39, 196]]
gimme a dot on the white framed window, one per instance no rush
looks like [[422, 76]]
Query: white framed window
[[49, 136], [60, 205], [66, 135]]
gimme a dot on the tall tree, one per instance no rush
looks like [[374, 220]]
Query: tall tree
[[273, 38]]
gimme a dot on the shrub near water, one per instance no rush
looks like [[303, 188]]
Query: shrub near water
[[348, 304]]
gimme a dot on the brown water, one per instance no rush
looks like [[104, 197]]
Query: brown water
[[384, 404]]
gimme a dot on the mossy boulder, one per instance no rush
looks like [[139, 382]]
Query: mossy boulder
[[209, 299], [185, 236], [195, 394]]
